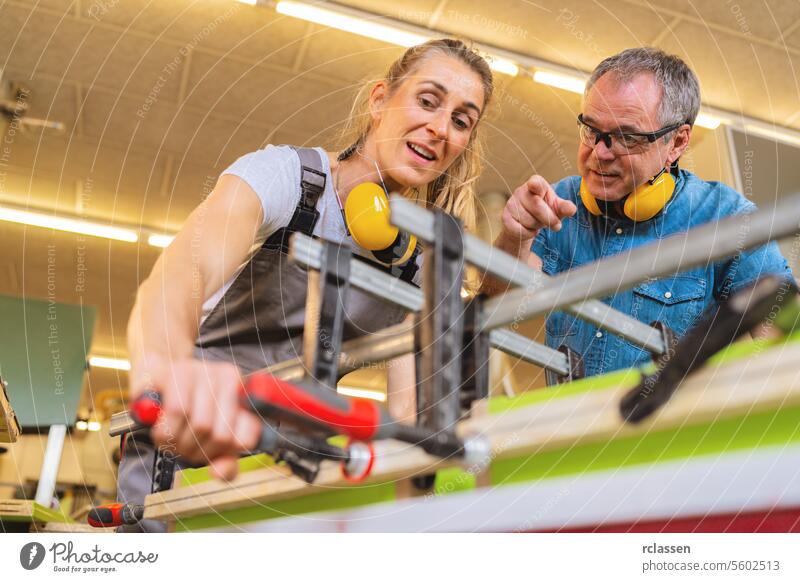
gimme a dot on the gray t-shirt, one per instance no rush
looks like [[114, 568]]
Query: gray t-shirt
[[274, 175]]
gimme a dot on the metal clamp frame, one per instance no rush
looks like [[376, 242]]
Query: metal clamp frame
[[325, 314], [439, 333]]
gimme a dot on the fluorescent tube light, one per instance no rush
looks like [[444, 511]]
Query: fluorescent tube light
[[792, 138], [67, 224], [347, 23], [113, 363], [707, 121], [160, 240], [560, 81]]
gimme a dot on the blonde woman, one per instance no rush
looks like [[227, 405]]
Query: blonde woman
[[222, 299]]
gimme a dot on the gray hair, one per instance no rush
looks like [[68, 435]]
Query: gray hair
[[680, 90]]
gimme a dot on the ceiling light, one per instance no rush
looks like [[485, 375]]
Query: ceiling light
[[113, 363], [560, 80], [375, 27], [81, 425], [500, 65], [785, 136], [361, 393], [354, 24], [75, 225], [160, 240], [93, 426], [250, 2], [707, 121]]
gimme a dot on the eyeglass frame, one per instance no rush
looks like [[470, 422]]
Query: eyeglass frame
[[605, 136]]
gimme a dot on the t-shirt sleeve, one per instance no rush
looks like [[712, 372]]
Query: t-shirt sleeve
[[274, 175], [734, 274]]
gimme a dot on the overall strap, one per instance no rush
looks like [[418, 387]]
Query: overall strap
[[312, 185]]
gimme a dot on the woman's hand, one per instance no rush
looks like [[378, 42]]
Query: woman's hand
[[201, 418]]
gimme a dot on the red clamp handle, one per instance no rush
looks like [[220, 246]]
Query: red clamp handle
[[357, 418], [146, 409], [106, 515], [115, 515]]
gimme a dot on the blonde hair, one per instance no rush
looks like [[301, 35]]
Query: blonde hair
[[454, 190]]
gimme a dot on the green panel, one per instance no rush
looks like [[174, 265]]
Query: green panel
[[340, 498], [202, 474], [627, 378], [453, 480], [756, 430], [43, 351], [41, 514]]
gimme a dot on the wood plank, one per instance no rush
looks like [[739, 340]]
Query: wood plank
[[16, 508], [25, 510], [57, 527], [763, 382]]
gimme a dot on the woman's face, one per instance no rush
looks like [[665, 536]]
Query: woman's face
[[426, 123]]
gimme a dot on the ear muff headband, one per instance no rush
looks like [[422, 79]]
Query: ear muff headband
[[643, 203]]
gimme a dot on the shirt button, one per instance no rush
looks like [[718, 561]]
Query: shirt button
[[598, 334], [619, 230], [667, 294]]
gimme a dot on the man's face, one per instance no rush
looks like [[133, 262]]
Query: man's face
[[628, 107]]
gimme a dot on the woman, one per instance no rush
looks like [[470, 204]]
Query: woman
[[222, 299]]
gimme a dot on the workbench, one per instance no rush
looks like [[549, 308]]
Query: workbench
[[721, 455]]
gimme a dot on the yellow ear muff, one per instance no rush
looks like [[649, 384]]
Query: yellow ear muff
[[367, 213], [643, 203], [589, 201], [650, 198]]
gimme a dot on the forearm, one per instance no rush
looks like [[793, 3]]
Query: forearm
[[164, 320], [401, 389], [518, 248]]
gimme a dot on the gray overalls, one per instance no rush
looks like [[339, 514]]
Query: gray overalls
[[260, 319]]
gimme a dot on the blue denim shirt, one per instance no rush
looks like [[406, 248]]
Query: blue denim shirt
[[678, 300]]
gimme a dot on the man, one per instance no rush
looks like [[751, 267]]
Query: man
[[636, 122]]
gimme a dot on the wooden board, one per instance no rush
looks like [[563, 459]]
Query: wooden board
[[58, 527], [9, 425], [756, 399], [30, 511]]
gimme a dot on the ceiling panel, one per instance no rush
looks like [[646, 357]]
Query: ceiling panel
[[107, 169], [261, 97], [27, 38], [563, 32], [761, 18], [224, 26], [81, 52], [535, 107], [165, 127], [48, 99], [793, 38], [39, 189], [760, 81], [349, 58]]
